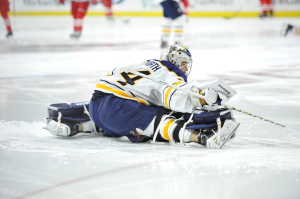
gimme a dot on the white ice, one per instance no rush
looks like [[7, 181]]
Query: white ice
[[41, 65]]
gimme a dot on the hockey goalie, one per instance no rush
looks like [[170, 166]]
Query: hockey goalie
[[132, 101]]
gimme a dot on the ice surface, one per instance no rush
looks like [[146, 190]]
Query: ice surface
[[41, 65]]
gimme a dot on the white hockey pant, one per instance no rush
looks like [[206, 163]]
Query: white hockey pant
[[177, 25]]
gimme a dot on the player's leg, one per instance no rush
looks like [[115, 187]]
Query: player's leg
[[270, 7], [172, 10], [213, 137], [263, 8], [166, 31], [79, 10], [203, 130], [178, 25], [108, 9], [74, 8], [70, 119], [185, 9], [4, 8]]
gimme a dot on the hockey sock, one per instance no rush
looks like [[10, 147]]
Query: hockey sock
[[6, 21], [107, 5], [79, 10], [108, 11], [178, 29], [78, 25], [166, 29], [7, 24]]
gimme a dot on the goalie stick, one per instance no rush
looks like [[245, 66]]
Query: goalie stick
[[202, 97], [122, 19], [238, 11]]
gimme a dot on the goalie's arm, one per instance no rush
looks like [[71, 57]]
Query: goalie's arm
[[210, 100]]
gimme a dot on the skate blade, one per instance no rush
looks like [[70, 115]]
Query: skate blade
[[230, 135]]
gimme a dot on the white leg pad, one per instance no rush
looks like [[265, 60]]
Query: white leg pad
[[220, 138], [166, 129], [58, 129]]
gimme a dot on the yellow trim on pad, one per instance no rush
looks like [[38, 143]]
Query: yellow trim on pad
[[166, 130], [202, 100]]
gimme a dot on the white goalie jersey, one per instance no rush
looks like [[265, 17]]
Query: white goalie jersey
[[131, 86]]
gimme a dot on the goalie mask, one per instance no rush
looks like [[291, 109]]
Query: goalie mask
[[178, 55]]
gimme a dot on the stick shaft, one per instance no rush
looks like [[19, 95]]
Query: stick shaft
[[239, 9], [197, 95]]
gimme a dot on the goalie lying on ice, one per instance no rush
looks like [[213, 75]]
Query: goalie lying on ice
[[126, 104]]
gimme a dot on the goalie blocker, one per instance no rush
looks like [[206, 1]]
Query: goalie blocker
[[215, 127]]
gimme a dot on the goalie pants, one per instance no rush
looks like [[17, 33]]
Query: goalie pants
[[120, 117]]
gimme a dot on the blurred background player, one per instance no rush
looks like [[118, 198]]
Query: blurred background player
[[185, 7], [290, 28], [4, 8], [79, 9], [173, 19], [108, 9], [266, 6]]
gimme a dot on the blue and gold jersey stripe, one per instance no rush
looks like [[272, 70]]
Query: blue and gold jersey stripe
[[120, 93], [168, 94]]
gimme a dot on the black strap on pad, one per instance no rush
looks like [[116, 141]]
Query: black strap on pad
[[177, 129], [159, 115]]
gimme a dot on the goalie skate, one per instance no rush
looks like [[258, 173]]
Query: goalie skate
[[61, 129], [218, 140]]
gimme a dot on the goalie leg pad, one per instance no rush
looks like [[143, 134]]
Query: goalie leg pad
[[71, 113], [177, 130], [218, 140], [63, 119], [70, 110], [61, 129]]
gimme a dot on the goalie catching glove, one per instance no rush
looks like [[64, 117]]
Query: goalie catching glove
[[209, 103]]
